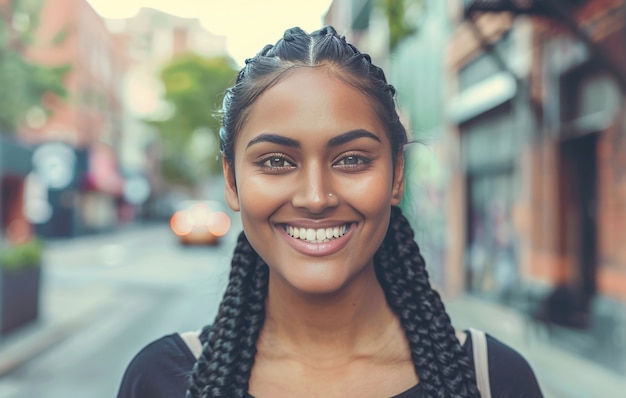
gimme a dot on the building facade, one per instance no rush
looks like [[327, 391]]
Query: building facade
[[537, 109], [81, 133]]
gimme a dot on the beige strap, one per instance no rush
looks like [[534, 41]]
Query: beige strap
[[481, 363], [192, 339]]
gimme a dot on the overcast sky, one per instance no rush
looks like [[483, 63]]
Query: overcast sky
[[247, 24]]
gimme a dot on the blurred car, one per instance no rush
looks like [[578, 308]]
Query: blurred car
[[200, 222]]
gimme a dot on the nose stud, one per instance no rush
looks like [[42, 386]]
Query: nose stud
[[330, 195]]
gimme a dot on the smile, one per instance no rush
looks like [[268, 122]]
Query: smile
[[320, 235]]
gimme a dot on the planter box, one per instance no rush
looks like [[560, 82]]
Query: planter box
[[20, 298]]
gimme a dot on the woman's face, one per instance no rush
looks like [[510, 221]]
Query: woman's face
[[314, 180]]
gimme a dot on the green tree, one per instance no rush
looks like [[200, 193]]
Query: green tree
[[194, 87], [24, 82], [403, 18]]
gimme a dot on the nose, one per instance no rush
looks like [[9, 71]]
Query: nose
[[314, 190]]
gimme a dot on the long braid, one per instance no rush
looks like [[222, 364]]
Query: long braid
[[224, 367], [442, 365]]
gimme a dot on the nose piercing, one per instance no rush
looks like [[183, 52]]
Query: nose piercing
[[330, 195]]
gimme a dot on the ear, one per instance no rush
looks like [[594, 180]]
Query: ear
[[397, 189], [230, 192]]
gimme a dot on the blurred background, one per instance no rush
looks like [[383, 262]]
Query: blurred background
[[113, 229]]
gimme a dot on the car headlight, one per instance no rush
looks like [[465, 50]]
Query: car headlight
[[219, 224], [181, 222]]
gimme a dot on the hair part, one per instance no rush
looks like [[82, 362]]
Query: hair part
[[323, 48]]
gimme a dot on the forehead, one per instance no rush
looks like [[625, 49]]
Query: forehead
[[311, 103]]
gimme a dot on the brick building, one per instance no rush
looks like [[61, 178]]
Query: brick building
[[537, 104], [87, 124]]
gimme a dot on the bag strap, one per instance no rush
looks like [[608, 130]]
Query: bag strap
[[481, 363], [192, 339]]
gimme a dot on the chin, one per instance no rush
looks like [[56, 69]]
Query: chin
[[319, 280]]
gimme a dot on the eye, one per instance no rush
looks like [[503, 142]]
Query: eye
[[352, 161], [275, 162]]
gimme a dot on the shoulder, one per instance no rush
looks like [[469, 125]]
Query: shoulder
[[510, 374], [159, 369]]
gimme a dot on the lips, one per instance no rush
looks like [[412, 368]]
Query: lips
[[316, 235], [317, 242]]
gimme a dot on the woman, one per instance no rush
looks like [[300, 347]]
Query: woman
[[328, 294]]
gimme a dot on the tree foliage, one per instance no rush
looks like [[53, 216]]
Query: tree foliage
[[23, 81], [403, 18], [194, 87]]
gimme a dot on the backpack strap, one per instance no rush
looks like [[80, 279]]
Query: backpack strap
[[481, 363], [192, 339]]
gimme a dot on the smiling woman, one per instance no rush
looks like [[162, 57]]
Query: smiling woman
[[328, 295]]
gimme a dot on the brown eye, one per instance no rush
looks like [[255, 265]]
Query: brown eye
[[351, 160], [275, 162]]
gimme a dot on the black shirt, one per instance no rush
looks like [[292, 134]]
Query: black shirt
[[161, 368]]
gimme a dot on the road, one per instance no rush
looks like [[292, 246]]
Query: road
[[134, 285]]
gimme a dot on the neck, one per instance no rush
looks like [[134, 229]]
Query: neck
[[351, 320]]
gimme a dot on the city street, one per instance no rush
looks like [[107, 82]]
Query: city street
[[113, 293], [125, 289]]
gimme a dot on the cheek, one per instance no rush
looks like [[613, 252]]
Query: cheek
[[369, 194], [257, 198]]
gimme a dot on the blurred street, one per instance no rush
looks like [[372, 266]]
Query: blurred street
[[106, 296], [103, 298]]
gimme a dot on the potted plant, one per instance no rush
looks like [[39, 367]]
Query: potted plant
[[20, 265]]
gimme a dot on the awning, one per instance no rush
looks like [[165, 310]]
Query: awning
[[482, 97]]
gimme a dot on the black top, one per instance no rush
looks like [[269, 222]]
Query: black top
[[160, 370]]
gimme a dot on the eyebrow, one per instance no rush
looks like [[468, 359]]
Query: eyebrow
[[333, 142], [351, 136], [274, 139]]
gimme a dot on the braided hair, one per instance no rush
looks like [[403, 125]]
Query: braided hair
[[229, 349]]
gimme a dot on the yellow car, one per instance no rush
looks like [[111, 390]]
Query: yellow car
[[200, 222]]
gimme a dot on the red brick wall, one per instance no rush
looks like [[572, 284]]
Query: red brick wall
[[537, 218], [612, 210], [92, 94], [604, 21]]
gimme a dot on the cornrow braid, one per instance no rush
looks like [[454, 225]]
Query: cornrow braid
[[223, 369], [297, 49], [442, 365]]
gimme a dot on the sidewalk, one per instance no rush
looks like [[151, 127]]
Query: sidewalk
[[561, 374], [63, 310], [67, 306]]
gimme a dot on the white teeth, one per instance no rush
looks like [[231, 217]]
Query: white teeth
[[316, 235]]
